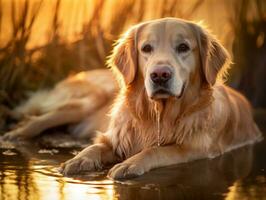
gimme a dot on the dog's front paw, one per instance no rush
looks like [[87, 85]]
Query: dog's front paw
[[79, 164], [126, 170]]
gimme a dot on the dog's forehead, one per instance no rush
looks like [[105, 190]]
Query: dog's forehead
[[167, 28]]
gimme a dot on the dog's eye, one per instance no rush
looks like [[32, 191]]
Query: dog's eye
[[182, 48], [147, 48]]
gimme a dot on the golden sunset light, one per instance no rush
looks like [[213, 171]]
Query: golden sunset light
[[132, 99]]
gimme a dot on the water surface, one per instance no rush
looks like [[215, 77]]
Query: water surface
[[29, 171]]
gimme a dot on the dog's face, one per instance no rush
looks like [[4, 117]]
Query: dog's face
[[166, 53], [166, 58]]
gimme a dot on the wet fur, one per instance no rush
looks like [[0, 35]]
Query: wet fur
[[208, 120]]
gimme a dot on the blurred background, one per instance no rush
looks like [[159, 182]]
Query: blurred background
[[44, 41]]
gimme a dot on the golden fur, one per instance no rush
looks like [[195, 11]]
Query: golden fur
[[144, 133], [207, 121], [80, 102]]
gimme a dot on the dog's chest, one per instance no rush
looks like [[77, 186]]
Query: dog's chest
[[130, 141]]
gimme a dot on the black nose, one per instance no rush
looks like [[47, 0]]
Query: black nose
[[160, 75]]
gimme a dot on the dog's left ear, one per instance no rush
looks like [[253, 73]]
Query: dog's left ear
[[214, 57], [123, 60]]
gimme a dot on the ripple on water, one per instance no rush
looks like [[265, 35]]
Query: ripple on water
[[31, 172]]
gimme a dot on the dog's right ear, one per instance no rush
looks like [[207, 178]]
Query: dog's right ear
[[214, 57], [123, 60]]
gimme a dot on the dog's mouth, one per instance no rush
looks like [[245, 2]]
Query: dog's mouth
[[164, 93], [182, 90], [161, 94]]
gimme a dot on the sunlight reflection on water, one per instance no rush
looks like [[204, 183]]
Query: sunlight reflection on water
[[43, 182], [27, 174]]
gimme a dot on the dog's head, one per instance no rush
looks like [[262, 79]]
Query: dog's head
[[167, 53]]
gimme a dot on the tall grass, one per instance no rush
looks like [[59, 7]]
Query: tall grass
[[24, 69]]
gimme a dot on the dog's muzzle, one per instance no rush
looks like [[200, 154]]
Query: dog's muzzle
[[161, 77]]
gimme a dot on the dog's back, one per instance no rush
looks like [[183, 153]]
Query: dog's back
[[87, 95], [74, 87]]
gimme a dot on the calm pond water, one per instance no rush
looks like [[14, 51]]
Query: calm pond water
[[29, 171]]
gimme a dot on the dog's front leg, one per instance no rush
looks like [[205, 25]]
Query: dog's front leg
[[91, 158], [152, 158]]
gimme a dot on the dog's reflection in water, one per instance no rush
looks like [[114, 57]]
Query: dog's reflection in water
[[230, 176], [204, 179]]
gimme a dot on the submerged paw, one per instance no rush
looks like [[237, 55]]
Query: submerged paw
[[77, 165]]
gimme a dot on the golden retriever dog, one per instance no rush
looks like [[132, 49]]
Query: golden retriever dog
[[80, 102], [171, 107]]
